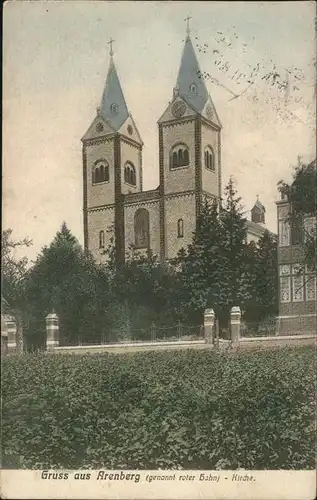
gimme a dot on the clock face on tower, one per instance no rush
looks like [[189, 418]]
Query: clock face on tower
[[178, 109]]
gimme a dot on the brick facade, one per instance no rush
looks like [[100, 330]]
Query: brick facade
[[296, 285]]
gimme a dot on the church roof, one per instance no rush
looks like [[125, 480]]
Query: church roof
[[190, 84], [113, 107], [259, 205]]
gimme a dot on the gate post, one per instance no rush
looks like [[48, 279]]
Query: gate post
[[235, 322], [52, 331], [12, 335], [209, 321]]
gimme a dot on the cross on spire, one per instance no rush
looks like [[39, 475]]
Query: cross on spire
[[111, 48], [188, 18]]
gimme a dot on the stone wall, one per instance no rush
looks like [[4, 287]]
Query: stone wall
[[153, 209], [179, 179], [103, 193], [179, 207], [100, 220]]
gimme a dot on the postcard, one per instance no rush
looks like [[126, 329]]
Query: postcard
[[158, 306]]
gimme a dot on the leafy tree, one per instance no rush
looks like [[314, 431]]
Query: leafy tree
[[14, 271], [301, 194], [68, 281], [147, 290]]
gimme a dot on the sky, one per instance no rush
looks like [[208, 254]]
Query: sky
[[257, 59]]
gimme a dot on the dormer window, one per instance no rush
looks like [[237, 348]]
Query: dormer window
[[114, 108], [210, 159], [179, 156], [193, 88], [129, 174], [100, 172]]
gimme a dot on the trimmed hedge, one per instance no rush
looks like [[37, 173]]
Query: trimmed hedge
[[172, 410]]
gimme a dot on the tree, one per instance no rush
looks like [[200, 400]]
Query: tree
[[301, 195], [146, 290], [215, 267], [14, 271], [264, 301], [68, 281]]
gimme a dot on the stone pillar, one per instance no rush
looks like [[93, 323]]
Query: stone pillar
[[209, 322], [12, 335], [235, 322], [52, 331]]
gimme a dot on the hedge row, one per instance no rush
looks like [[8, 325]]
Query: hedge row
[[182, 409]]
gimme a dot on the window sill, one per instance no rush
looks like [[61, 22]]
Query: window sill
[[210, 169], [180, 168], [98, 183], [128, 184]]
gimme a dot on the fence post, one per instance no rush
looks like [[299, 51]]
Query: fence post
[[235, 322], [52, 331], [217, 334], [179, 329], [209, 320], [153, 332], [12, 335]]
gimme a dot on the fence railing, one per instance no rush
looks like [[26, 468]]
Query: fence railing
[[258, 329], [153, 333]]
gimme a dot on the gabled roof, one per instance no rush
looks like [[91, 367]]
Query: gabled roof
[[259, 205], [113, 107], [190, 77]]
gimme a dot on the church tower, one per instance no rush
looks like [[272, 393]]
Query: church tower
[[189, 155], [112, 167]]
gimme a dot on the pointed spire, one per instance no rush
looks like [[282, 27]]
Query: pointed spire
[[113, 107], [190, 83], [258, 211]]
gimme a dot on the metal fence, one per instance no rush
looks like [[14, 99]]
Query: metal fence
[[258, 329], [153, 333]]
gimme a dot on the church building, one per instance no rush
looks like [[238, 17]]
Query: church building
[[162, 219]]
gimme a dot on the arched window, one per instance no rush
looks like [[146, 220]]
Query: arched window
[[193, 88], [100, 172], [142, 228], [101, 239], [179, 156], [180, 228], [129, 174], [114, 108], [209, 158]]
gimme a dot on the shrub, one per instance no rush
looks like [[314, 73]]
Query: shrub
[[182, 409]]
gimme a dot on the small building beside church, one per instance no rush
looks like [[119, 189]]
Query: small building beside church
[[162, 219], [297, 282]]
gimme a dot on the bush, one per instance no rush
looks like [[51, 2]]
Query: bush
[[171, 410]]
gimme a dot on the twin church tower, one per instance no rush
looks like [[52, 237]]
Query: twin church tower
[[115, 205]]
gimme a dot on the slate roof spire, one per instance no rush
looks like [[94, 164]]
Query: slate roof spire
[[113, 107], [191, 86]]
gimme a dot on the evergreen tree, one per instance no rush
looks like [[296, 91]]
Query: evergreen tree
[[68, 281], [264, 302], [216, 266]]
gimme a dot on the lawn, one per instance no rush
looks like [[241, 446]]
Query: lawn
[[187, 409]]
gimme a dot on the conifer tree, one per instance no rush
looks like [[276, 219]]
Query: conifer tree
[[216, 266]]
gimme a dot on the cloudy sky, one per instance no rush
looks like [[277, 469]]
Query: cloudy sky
[[259, 57]]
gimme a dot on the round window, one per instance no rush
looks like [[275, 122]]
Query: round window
[[130, 130], [99, 127]]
